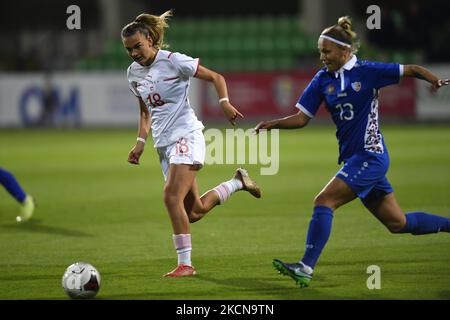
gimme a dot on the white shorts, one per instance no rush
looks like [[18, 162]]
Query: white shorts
[[189, 149]]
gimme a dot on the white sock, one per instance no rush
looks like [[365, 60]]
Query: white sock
[[234, 185], [227, 188], [183, 245], [307, 268], [184, 256]]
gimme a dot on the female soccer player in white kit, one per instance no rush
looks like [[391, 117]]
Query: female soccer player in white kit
[[160, 80]]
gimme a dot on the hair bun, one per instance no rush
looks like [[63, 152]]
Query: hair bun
[[345, 22]]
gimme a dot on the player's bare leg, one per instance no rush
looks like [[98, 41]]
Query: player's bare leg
[[335, 194], [184, 205], [179, 182], [197, 207], [388, 211]]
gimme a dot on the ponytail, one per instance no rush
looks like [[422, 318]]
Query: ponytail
[[149, 25]]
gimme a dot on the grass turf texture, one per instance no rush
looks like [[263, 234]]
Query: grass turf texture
[[95, 207]]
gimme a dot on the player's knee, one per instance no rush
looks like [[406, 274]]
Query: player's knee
[[323, 200], [170, 198], [193, 217], [318, 199], [395, 226]]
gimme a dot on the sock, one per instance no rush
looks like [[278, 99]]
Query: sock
[[318, 234], [11, 185], [418, 223], [306, 268], [227, 188], [183, 245]]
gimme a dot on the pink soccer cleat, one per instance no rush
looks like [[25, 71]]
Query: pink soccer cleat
[[182, 270]]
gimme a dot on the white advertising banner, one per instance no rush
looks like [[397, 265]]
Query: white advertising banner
[[70, 100], [75, 99]]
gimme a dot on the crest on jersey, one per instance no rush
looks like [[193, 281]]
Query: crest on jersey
[[356, 86], [330, 89]]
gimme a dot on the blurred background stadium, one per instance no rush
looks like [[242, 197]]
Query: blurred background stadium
[[52, 76]]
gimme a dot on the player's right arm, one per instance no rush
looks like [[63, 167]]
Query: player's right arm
[[143, 130], [295, 121], [311, 98]]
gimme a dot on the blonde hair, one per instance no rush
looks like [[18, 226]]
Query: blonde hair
[[342, 31], [149, 25]]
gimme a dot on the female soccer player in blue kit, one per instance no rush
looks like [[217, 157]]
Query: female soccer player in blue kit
[[14, 189], [349, 87]]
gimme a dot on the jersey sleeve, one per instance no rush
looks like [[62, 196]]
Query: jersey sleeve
[[132, 84], [185, 65], [312, 97], [385, 74], [132, 87]]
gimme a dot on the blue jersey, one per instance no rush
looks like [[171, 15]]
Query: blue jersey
[[351, 96]]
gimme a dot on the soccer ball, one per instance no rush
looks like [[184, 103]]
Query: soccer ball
[[81, 281]]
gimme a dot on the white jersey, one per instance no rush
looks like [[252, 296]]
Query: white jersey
[[163, 86]]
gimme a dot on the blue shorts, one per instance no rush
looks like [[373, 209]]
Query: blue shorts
[[365, 174]]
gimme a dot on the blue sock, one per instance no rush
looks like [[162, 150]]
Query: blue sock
[[11, 185], [423, 223], [318, 234]]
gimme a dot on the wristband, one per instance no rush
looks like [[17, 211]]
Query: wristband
[[224, 99], [141, 140]]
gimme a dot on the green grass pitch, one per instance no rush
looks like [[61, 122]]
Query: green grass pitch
[[95, 207]]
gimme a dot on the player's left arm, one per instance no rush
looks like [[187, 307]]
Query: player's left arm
[[419, 72], [221, 87]]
